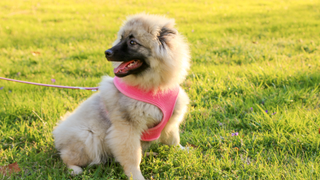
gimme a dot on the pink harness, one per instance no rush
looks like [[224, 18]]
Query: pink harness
[[165, 101]]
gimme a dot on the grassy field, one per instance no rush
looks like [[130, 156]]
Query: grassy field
[[255, 71]]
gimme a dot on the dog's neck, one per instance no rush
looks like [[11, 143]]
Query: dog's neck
[[148, 84]]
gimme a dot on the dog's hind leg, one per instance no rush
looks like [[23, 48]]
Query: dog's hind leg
[[75, 169], [74, 158]]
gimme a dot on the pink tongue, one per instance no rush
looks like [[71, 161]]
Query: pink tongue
[[122, 67]]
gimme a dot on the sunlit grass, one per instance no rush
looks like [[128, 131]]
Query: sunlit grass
[[255, 71]]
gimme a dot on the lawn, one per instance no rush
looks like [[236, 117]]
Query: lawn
[[253, 85]]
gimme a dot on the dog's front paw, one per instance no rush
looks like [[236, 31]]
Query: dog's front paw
[[184, 148], [151, 154], [135, 175], [75, 170]]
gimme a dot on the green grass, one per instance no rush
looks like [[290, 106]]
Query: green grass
[[263, 55]]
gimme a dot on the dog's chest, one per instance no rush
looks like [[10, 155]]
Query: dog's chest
[[141, 111]]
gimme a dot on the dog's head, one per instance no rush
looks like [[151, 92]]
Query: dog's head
[[149, 53]]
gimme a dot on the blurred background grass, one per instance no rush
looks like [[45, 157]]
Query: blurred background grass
[[255, 70]]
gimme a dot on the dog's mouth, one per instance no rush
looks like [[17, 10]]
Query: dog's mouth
[[127, 68]]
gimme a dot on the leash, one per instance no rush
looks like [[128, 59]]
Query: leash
[[51, 85]]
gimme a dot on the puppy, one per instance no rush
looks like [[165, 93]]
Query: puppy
[[151, 60]]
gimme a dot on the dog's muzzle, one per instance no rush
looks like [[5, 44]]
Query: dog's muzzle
[[108, 53]]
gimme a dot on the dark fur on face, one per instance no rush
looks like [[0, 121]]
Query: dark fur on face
[[165, 35], [128, 49]]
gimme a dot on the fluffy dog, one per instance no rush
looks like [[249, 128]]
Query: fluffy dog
[[152, 56]]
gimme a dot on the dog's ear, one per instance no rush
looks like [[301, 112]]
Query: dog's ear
[[165, 35]]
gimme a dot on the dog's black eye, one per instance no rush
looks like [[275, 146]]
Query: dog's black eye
[[132, 42]]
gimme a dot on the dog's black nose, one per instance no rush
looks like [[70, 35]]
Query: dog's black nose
[[108, 53]]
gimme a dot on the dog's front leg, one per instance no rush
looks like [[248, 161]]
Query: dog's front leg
[[124, 142], [170, 134]]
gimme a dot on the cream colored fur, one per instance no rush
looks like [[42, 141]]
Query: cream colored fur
[[89, 135]]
